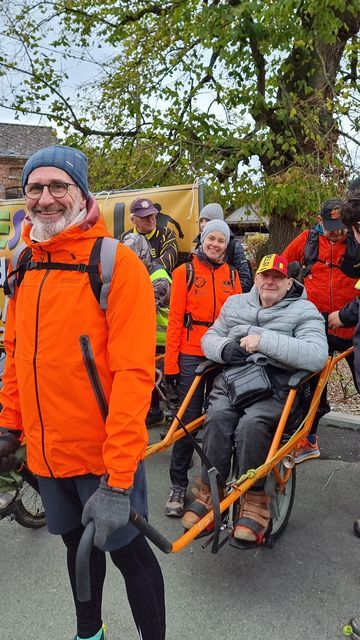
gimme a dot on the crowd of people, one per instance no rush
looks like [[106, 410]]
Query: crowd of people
[[80, 390]]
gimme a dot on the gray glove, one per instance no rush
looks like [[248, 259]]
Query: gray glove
[[109, 509]]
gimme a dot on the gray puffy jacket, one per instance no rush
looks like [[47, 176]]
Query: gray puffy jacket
[[292, 331]]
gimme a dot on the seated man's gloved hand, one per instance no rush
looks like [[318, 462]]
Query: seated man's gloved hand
[[109, 509], [9, 444], [232, 353]]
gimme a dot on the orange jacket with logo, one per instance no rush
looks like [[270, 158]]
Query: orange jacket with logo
[[211, 287], [326, 285], [47, 391]]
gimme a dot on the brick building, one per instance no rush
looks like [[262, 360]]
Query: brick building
[[17, 143]]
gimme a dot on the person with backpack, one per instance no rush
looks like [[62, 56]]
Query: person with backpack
[[330, 259], [199, 289], [235, 254], [78, 386]]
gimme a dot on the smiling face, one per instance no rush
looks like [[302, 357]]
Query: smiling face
[[214, 245], [50, 215], [272, 286]]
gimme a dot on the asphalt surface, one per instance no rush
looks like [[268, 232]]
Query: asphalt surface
[[305, 588]]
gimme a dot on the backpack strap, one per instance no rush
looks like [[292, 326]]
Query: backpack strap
[[107, 261], [233, 274], [311, 251], [103, 252], [19, 258], [190, 275]]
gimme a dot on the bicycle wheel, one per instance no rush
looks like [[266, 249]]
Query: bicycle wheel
[[28, 508], [282, 498]]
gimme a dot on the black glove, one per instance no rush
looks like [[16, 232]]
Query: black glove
[[9, 444], [232, 353], [172, 379], [109, 509]]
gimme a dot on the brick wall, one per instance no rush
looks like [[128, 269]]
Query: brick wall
[[10, 173]]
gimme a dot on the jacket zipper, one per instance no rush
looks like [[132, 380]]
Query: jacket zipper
[[93, 375], [35, 373]]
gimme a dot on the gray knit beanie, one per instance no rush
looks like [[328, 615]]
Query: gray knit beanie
[[69, 159], [212, 211], [216, 225]]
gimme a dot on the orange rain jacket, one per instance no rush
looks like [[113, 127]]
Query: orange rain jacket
[[326, 285], [47, 391], [210, 288]]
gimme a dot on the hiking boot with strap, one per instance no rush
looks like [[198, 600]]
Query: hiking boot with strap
[[254, 518], [200, 507]]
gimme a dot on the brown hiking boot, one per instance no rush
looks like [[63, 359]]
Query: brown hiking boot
[[254, 517]]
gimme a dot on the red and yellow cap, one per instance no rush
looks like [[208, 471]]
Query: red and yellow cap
[[273, 261]]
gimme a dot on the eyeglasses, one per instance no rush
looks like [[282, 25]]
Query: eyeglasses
[[33, 190]]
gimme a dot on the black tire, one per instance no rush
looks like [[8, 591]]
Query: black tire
[[28, 509], [282, 499]]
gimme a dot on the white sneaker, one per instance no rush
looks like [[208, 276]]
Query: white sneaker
[[6, 498]]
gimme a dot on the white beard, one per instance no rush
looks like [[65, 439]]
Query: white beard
[[43, 230]]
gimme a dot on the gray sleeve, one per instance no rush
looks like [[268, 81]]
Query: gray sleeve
[[306, 349], [217, 336]]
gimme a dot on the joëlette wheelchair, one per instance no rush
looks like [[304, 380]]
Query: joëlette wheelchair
[[279, 468]]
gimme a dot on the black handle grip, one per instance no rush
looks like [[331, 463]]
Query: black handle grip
[[150, 532], [82, 568]]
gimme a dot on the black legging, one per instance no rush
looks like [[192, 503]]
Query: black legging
[[143, 580]]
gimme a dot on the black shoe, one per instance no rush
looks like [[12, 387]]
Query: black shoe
[[155, 417]]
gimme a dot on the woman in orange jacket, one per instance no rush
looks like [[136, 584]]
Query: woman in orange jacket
[[199, 289]]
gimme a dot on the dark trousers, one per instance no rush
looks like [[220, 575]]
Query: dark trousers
[[143, 580], [335, 344], [183, 449], [250, 431]]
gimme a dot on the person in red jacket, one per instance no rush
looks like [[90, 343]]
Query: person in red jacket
[[78, 386], [198, 291], [329, 256]]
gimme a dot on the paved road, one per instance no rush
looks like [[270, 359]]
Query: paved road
[[305, 588]]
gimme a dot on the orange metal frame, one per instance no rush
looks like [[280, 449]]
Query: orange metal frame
[[275, 455]]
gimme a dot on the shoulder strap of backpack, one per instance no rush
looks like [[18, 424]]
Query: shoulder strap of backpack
[[233, 274], [103, 253], [311, 251], [20, 256], [190, 275]]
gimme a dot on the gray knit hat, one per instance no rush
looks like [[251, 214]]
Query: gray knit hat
[[216, 225], [212, 211], [69, 159]]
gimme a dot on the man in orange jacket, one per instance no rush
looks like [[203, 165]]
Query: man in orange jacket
[[78, 386], [330, 257]]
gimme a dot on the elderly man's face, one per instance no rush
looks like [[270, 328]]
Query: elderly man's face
[[272, 286], [48, 214], [145, 224]]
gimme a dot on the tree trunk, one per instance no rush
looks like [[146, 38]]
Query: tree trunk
[[281, 232]]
